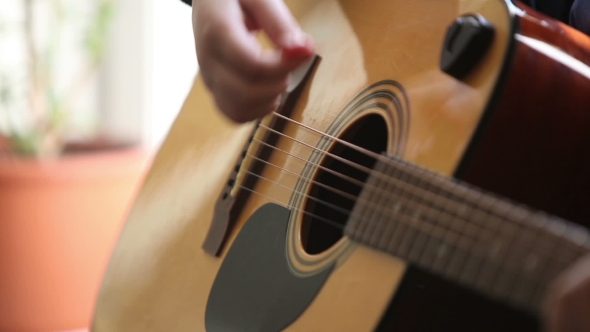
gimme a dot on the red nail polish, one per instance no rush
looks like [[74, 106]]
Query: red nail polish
[[300, 51]]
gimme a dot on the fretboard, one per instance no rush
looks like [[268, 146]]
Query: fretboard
[[504, 250]]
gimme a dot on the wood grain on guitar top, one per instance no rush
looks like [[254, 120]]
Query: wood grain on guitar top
[[159, 278]]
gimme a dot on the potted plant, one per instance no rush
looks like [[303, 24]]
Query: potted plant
[[64, 187]]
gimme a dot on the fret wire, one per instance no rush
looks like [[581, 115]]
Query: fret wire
[[446, 186], [525, 290], [419, 197], [513, 267], [491, 260], [408, 244], [407, 173], [390, 226], [408, 223], [405, 167], [480, 250], [509, 274], [383, 218], [447, 200], [388, 200], [558, 253], [484, 278], [509, 221], [459, 217], [436, 248], [408, 232], [275, 183], [405, 215], [513, 234], [515, 279], [445, 221], [429, 193], [361, 167], [398, 207], [461, 235], [520, 232], [512, 228], [512, 271], [461, 265], [504, 269], [572, 251], [544, 277], [407, 241], [397, 187], [402, 207], [376, 213]]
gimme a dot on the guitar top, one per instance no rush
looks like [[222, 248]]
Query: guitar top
[[426, 171]]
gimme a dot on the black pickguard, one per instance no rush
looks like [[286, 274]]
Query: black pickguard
[[255, 289]]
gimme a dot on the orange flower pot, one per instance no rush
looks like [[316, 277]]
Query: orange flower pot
[[59, 221]]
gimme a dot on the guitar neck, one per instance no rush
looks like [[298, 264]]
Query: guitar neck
[[504, 250]]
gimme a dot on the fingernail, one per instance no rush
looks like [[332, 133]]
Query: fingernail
[[299, 46], [295, 39]]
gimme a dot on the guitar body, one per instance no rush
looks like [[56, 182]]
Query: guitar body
[[512, 125]]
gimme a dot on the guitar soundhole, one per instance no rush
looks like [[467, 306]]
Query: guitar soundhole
[[340, 184]]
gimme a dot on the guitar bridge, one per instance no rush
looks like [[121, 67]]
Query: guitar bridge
[[241, 182]]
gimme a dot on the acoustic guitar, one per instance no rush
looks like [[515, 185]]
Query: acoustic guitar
[[426, 171]]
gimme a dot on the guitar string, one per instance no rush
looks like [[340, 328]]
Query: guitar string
[[348, 213], [431, 222], [327, 221], [450, 195], [334, 190], [381, 222], [479, 225], [340, 193], [382, 176], [468, 249], [544, 260], [293, 191], [339, 226], [446, 194], [374, 155], [309, 128], [387, 178]]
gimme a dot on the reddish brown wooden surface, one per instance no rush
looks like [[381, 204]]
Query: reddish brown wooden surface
[[534, 145], [542, 27]]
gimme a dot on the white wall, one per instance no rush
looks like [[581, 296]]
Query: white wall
[[150, 68], [174, 63], [66, 68]]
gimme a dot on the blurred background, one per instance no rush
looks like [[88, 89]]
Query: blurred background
[[88, 92]]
